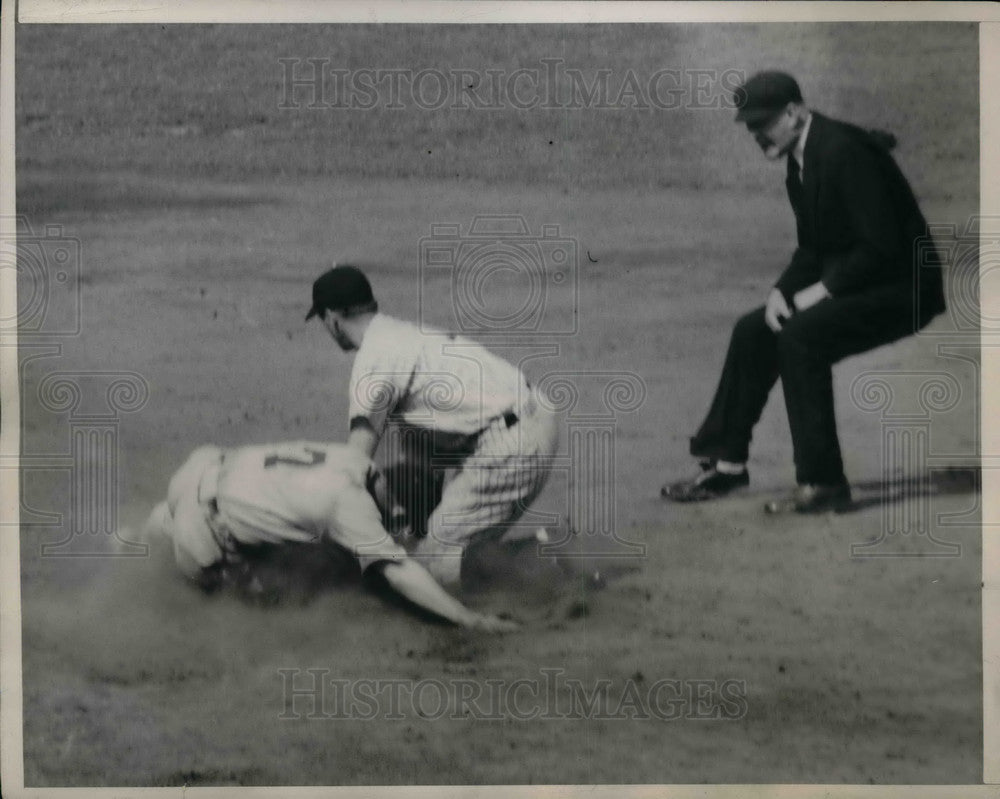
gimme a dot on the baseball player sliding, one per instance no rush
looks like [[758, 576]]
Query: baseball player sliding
[[484, 420], [221, 502]]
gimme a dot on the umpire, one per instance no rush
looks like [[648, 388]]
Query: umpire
[[852, 285]]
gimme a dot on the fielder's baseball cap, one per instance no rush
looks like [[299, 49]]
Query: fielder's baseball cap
[[764, 96], [339, 288]]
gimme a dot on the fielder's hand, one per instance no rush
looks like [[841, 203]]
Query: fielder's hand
[[776, 311]]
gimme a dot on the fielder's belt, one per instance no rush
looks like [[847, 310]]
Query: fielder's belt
[[463, 444]]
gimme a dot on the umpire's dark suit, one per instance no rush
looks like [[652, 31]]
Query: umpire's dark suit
[[858, 224]]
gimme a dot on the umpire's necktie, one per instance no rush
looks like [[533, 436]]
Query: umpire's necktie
[[794, 183]]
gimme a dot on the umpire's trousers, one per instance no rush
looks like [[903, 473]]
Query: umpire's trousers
[[801, 354]]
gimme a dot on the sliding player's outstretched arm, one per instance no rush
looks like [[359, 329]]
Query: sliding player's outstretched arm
[[356, 524], [414, 582]]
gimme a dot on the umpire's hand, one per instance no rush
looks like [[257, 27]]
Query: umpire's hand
[[776, 310]]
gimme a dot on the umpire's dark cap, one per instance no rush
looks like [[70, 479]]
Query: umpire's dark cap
[[764, 96], [340, 288]]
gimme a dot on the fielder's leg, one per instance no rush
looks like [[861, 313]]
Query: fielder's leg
[[491, 491]]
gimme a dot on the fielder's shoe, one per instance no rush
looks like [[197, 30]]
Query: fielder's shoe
[[710, 484]]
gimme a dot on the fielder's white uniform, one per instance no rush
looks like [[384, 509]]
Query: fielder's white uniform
[[478, 405], [291, 492]]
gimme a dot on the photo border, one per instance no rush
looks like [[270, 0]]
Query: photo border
[[446, 11]]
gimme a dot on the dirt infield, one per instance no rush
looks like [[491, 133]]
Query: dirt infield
[[728, 647]]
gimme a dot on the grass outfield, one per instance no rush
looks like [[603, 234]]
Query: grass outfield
[[204, 101], [203, 212]]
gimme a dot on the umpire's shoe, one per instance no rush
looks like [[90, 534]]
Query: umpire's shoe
[[813, 498], [710, 484], [822, 498]]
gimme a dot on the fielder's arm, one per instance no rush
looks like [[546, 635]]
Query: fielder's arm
[[415, 583]]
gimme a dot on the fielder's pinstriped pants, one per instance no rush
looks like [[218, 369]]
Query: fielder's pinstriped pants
[[492, 489]]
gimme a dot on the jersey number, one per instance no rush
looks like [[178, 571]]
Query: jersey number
[[303, 457]]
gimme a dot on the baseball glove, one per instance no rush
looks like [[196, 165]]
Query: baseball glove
[[413, 491]]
